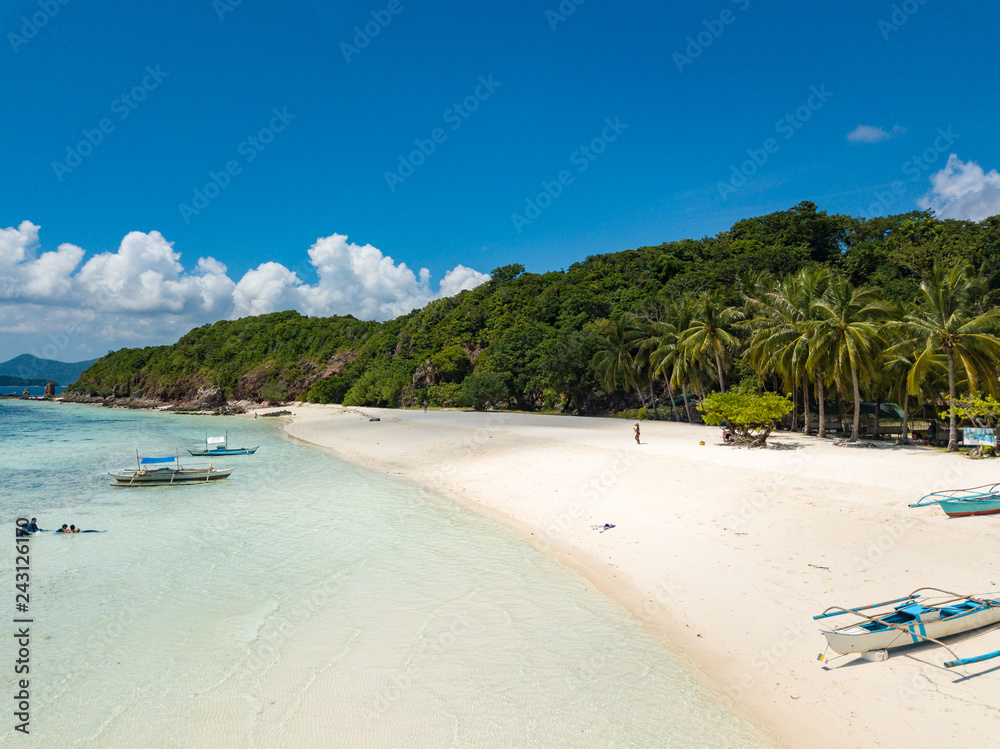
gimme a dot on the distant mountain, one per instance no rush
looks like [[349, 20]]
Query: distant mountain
[[30, 367]]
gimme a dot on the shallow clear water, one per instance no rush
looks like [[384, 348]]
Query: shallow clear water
[[304, 602]]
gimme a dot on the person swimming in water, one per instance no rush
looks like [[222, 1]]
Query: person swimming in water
[[64, 529], [74, 529], [32, 527]]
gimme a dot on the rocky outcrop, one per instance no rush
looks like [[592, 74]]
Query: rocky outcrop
[[425, 376], [335, 366], [50, 389], [210, 398]]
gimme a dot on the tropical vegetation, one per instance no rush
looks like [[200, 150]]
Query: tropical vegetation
[[830, 311]]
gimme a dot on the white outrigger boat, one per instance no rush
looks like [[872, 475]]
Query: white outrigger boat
[[220, 446], [910, 621], [153, 472]]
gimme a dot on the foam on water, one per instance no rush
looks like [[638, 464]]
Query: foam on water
[[304, 602]]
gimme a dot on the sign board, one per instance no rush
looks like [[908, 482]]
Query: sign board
[[979, 436]]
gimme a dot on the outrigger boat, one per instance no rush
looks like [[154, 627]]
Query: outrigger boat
[[960, 503], [910, 621], [145, 474], [220, 446]]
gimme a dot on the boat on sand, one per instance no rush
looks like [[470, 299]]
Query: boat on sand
[[909, 621], [960, 503]]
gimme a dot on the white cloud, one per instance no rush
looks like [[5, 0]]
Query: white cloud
[[269, 288], [351, 279], [142, 292], [963, 190], [870, 134]]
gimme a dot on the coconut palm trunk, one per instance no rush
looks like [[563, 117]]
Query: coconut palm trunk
[[795, 405], [718, 366], [805, 402], [821, 427], [905, 427], [670, 394], [952, 420], [856, 426]]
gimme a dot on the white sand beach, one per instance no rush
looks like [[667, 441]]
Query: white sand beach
[[727, 553]]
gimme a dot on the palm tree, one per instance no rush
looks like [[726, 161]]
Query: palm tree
[[615, 364], [662, 349], [784, 333], [712, 332], [946, 319], [847, 334]]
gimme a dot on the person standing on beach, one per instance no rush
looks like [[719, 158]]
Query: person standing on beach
[[425, 406], [637, 434]]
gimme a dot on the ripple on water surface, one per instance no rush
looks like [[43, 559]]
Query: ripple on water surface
[[304, 602]]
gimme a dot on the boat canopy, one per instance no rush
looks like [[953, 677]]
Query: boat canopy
[[215, 440], [147, 461]]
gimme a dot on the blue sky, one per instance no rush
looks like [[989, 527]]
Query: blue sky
[[457, 138]]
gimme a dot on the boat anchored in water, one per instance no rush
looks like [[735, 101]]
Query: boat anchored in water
[[155, 472], [910, 622], [220, 446]]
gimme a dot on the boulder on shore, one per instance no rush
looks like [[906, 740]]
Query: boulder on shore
[[210, 398]]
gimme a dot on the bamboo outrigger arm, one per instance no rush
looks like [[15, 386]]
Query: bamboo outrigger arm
[[900, 627], [837, 610]]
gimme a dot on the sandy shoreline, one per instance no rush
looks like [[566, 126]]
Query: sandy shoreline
[[727, 553]]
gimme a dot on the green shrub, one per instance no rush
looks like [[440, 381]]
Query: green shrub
[[481, 390], [331, 390], [452, 364], [273, 391], [442, 395]]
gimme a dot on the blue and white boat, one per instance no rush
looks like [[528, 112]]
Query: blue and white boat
[[220, 446], [911, 621], [156, 472], [960, 503]]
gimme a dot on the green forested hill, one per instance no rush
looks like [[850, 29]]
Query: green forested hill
[[526, 339]]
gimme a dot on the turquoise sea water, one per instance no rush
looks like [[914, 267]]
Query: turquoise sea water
[[305, 602]]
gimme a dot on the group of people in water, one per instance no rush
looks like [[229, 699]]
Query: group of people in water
[[32, 527]]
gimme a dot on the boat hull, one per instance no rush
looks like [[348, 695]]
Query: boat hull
[[170, 477], [859, 640], [233, 451], [959, 508]]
